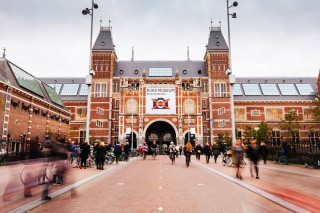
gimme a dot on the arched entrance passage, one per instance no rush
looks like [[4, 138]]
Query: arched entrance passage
[[163, 133]]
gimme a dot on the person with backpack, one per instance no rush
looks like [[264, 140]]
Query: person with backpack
[[253, 153], [207, 151], [117, 151]]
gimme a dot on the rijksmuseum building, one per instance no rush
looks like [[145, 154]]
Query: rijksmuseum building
[[178, 101]]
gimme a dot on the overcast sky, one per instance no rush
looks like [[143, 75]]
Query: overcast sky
[[268, 38]]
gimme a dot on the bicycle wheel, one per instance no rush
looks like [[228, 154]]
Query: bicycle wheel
[[229, 161], [281, 160], [224, 160], [28, 175], [315, 163], [75, 163]]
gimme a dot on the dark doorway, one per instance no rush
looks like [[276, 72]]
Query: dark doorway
[[161, 132], [132, 138], [190, 137]]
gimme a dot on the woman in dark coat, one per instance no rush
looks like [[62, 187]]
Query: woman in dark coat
[[85, 151], [207, 152], [101, 155]]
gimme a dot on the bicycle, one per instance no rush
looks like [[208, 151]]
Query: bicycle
[[226, 159], [312, 160], [172, 157], [279, 158], [109, 157], [154, 153]]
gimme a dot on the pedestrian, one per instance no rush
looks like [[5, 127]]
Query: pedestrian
[[100, 155], [285, 152], [84, 154], [253, 153], [180, 150], [207, 152], [237, 157], [198, 149], [117, 151], [127, 151], [68, 148], [264, 151], [215, 151]]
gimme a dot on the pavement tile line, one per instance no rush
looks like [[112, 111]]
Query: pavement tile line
[[34, 204], [260, 192]]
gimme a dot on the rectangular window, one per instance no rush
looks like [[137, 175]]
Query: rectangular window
[[221, 123], [221, 111], [204, 87], [204, 104], [220, 90], [205, 130], [204, 116], [82, 136], [160, 72], [307, 114], [100, 111], [116, 128], [255, 112], [116, 87], [240, 114], [100, 90], [117, 104], [274, 114], [81, 113], [275, 137], [99, 123]]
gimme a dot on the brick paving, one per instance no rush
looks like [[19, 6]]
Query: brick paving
[[157, 186]]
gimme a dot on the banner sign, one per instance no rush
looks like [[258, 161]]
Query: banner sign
[[161, 101]]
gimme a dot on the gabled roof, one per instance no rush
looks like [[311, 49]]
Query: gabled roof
[[135, 69], [18, 78], [104, 40], [216, 40]]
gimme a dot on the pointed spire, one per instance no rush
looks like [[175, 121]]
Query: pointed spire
[[188, 57], [4, 53], [109, 24], [100, 23], [132, 54]]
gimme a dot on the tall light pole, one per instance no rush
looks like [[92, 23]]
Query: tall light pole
[[229, 72], [88, 11], [189, 133], [132, 117]]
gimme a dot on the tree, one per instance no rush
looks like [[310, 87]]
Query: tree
[[263, 132], [224, 138], [249, 133], [290, 123]]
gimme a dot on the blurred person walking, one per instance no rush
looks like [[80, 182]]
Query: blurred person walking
[[127, 151], [84, 155], [253, 153], [215, 151], [237, 157], [117, 151], [207, 152], [264, 151], [198, 149], [100, 155]]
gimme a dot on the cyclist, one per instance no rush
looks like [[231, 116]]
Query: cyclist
[[145, 149], [187, 152], [154, 148], [172, 150]]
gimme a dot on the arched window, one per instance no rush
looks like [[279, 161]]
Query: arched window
[[132, 106], [189, 106]]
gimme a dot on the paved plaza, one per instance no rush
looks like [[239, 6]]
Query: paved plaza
[[158, 186]]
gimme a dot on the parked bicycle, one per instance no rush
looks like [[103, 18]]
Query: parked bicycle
[[312, 159], [279, 158]]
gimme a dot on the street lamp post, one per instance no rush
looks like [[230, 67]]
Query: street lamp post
[[132, 118], [229, 72], [88, 11]]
